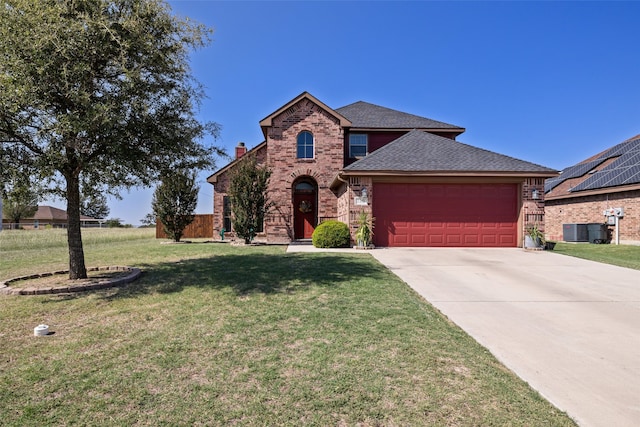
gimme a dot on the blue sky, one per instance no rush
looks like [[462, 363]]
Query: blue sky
[[547, 82]]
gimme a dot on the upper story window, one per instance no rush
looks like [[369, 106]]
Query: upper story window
[[357, 145], [305, 145]]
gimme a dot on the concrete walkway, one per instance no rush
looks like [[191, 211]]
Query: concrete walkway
[[568, 327]]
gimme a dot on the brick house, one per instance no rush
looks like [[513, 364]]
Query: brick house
[[423, 187], [582, 192], [48, 216]]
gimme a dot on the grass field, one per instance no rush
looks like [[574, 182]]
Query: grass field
[[621, 255], [219, 335]]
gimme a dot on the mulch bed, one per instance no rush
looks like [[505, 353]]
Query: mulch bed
[[58, 281]]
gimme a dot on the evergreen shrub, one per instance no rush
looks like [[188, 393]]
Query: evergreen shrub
[[331, 234]]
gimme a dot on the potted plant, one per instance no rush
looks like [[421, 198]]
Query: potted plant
[[365, 230], [534, 238]]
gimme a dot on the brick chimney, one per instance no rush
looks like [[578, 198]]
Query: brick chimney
[[241, 150]]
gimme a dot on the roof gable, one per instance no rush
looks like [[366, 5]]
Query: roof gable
[[370, 116], [419, 151], [615, 167], [213, 178], [268, 121]]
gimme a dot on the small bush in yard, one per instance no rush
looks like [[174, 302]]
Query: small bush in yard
[[331, 234]]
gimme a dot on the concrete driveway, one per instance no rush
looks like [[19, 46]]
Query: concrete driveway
[[568, 327]]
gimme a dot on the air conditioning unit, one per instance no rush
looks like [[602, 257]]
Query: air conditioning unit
[[575, 233]]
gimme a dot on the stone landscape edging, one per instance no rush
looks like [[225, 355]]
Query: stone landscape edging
[[134, 273]]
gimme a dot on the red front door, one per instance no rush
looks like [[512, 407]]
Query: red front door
[[304, 215]]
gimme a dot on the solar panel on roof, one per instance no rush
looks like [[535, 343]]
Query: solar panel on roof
[[580, 169], [619, 177], [626, 177], [624, 170], [623, 148], [604, 178], [634, 145], [613, 165], [635, 178], [595, 181], [630, 159], [552, 183], [614, 151]]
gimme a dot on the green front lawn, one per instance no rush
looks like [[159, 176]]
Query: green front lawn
[[621, 255], [219, 335]]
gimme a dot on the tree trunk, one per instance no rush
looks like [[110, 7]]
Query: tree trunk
[[77, 268]]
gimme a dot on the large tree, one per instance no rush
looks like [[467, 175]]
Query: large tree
[[99, 91], [250, 203], [174, 202]]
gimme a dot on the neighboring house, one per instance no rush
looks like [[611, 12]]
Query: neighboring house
[[48, 216], [582, 192], [422, 186]]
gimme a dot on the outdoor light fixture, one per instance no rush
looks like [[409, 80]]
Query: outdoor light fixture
[[363, 192], [535, 195]]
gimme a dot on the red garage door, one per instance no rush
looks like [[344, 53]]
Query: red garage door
[[472, 215]]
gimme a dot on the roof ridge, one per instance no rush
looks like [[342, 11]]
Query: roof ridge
[[353, 103], [364, 114]]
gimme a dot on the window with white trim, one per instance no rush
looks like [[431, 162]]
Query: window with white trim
[[358, 145]]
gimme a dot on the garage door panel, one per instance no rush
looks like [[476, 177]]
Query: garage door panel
[[400, 241], [471, 239], [490, 240], [446, 214], [453, 239], [436, 239], [418, 239]]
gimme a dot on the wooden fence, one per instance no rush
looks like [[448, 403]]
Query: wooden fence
[[200, 228]]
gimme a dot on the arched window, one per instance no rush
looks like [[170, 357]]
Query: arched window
[[305, 145], [304, 187]]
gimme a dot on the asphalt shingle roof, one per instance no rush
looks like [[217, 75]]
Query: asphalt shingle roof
[[369, 116], [51, 213], [48, 213], [419, 151]]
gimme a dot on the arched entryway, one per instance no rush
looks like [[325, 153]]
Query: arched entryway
[[305, 207]]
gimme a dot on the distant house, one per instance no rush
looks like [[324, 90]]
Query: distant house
[[583, 192], [48, 216], [423, 187]]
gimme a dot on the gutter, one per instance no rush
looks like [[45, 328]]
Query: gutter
[[337, 180], [510, 174]]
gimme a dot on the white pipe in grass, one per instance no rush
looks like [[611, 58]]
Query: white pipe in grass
[[41, 330]]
